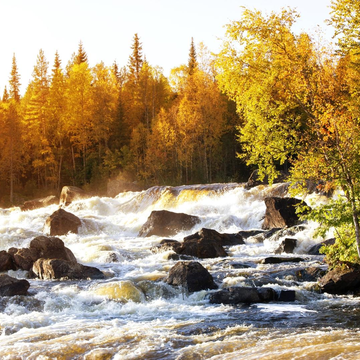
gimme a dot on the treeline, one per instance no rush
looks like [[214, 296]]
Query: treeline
[[80, 125]]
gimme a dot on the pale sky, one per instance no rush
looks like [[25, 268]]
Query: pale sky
[[106, 29]]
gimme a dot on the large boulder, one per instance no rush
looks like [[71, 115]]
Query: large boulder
[[286, 246], [61, 222], [341, 281], [39, 203], [280, 212], [72, 193], [6, 261], [48, 269], [238, 295], [167, 223], [190, 275], [10, 286]]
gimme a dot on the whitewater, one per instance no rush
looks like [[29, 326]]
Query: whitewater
[[134, 314]]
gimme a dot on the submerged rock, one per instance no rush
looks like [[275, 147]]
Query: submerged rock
[[190, 275], [280, 212], [167, 223], [315, 250], [213, 235], [10, 286], [286, 246], [279, 260], [238, 295], [61, 222], [122, 291]]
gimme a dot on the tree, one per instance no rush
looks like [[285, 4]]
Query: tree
[[136, 58], [192, 63], [297, 104], [81, 56]]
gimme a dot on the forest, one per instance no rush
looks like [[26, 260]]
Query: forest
[[271, 100]]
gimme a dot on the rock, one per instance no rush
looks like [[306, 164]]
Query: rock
[[340, 281], [286, 296], [254, 179], [191, 275], [202, 248], [238, 295], [166, 245], [24, 257], [310, 274], [279, 260], [59, 269], [286, 246], [250, 233], [61, 222], [213, 235], [51, 248], [10, 286], [72, 193], [167, 223], [39, 203], [6, 261], [315, 250], [280, 212]]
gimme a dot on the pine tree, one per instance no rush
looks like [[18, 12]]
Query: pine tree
[[5, 97], [192, 64], [14, 81], [136, 58], [81, 55]]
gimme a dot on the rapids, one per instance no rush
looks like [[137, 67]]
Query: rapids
[[132, 314]]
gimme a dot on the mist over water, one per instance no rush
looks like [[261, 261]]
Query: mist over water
[[133, 314]]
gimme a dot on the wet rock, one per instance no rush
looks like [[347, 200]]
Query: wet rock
[[61, 222], [202, 248], [250, 233], [279, 260], [213, 235], [39, 203], [166, 245], [167, 223], [51, 248], [24, 257], [286, 296], [10, 286], [72, 193], [280, 212], [48, 269], [190, 275], [310, 274], [341, 281], [315, 250], [239, 295], [286, 246], [6, 261]]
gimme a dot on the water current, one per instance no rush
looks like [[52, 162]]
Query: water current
[[133, 314]]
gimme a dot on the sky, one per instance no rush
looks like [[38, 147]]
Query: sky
[[107, 27]]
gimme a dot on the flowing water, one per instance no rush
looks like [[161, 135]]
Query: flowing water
[[133, 314]]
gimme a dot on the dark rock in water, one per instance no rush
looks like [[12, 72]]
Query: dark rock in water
[[72, 193], [279, 260], [166, 245], [190, 275], [167, 223], [202, 248], [39, 203], [250, 233], [238, 295], [280, 212], [286, 246], [286, 296], [61, 222], [341, 281], [315, 250], [6, 261], [213, 235], [24, 257], [180, 257], [59, 269], [310, 274], [10, 286]]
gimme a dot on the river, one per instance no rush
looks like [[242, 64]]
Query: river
[[133, 314]]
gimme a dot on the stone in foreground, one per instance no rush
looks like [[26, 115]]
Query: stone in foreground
[[10, 286]]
